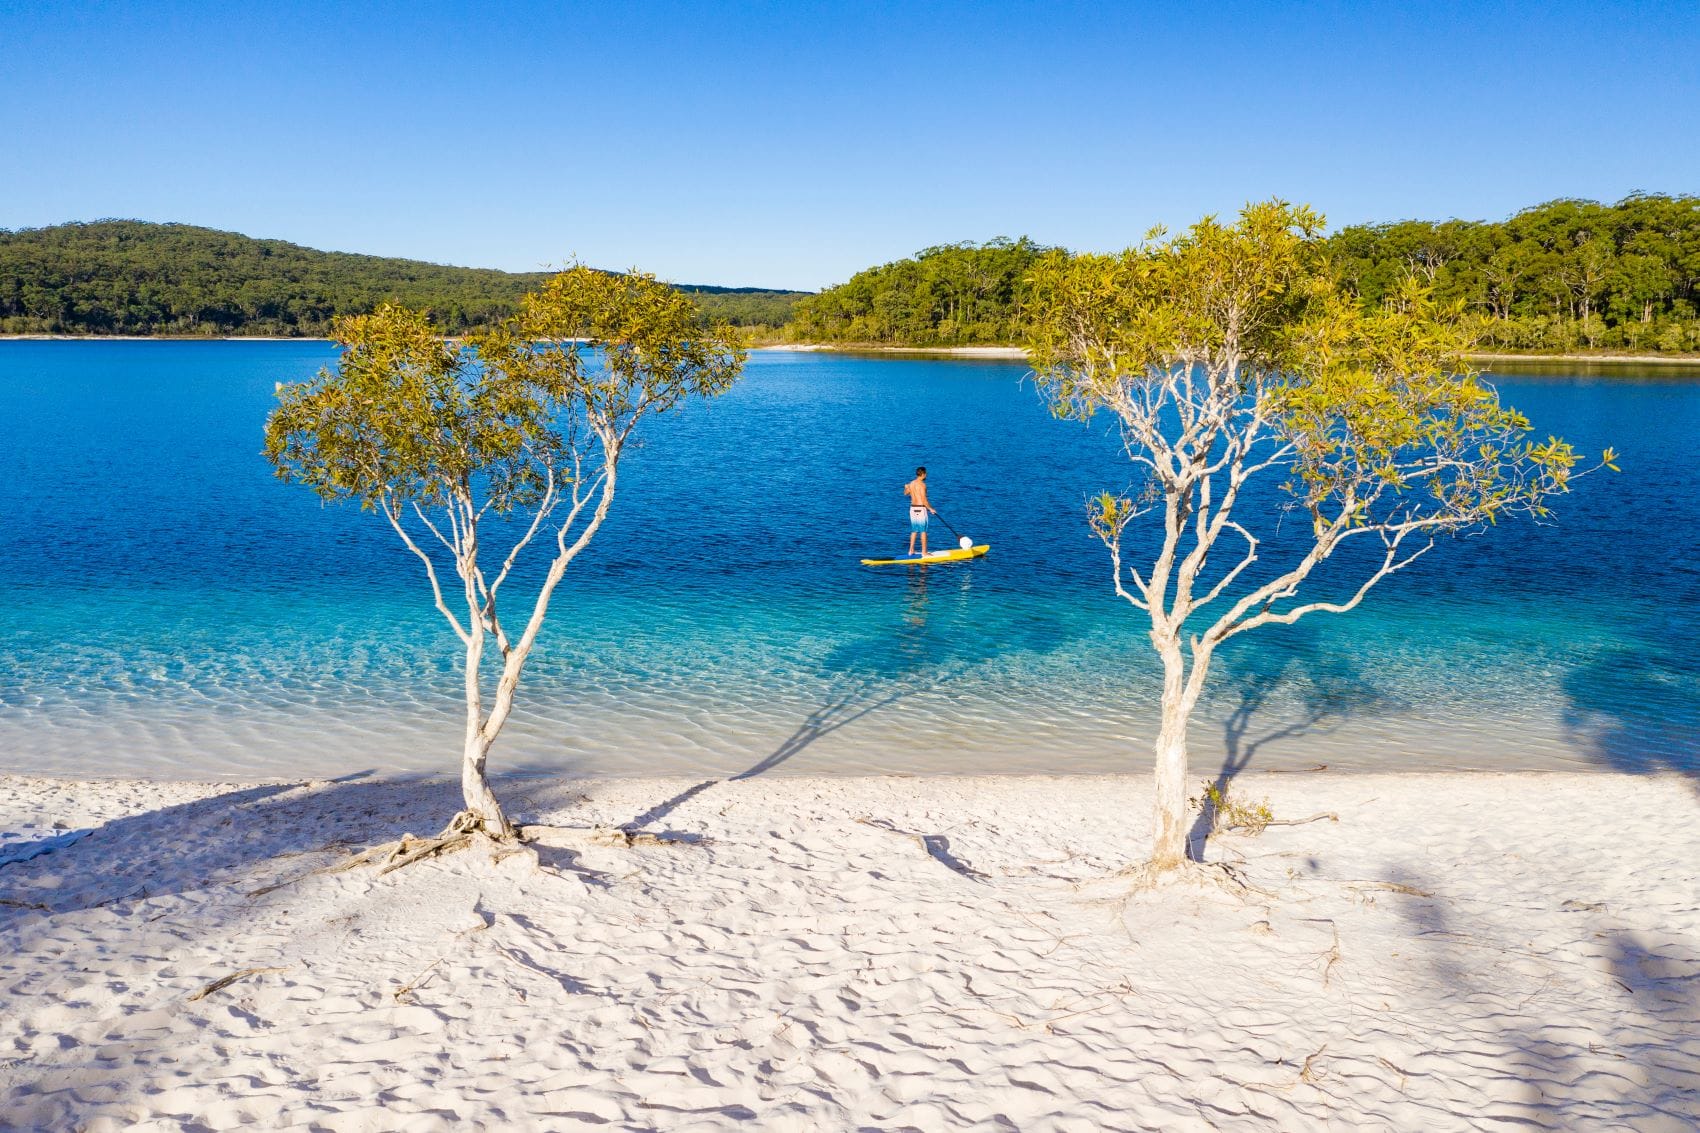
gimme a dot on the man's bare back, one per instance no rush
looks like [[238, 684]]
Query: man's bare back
[[919, 509]]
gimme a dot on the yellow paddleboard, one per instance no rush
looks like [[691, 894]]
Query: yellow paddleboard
[[954, 555]]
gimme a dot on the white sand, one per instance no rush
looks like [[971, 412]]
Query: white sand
[[1457, 952], [1009, 352]]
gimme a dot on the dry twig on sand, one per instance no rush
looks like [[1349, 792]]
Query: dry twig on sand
[[401, 993], [1332, 957], [1392, 887], [1328, 814], [225, 981]]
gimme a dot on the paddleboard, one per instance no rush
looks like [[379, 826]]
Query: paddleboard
[[953, 555]]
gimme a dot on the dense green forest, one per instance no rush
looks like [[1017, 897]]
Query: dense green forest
[[132, 277], [1566, 275], [951, 295]]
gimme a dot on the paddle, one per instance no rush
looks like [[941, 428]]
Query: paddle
[[961, 540]]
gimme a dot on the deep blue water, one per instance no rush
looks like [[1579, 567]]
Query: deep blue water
[[177, 610]]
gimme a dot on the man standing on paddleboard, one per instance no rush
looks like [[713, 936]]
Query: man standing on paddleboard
[[919, 509]]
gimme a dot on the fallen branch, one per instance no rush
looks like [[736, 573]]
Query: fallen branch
[[596, 837], [225, 981], [1394, 887], [1329, 815]]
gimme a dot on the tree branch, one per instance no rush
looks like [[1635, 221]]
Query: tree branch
[[392, 512], [1389, 564], [1228, 579]]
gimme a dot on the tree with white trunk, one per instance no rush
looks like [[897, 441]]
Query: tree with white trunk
[[525, 426], [1229, 356]]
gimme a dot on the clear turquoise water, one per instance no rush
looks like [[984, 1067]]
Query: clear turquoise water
[[177, 611]]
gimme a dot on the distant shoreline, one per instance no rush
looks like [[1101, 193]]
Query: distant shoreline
[[162, 338], [1017, 352], [1637, 359], [1021, 352], [1000, 352]]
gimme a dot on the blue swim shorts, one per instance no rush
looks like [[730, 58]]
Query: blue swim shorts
[[918, 520]]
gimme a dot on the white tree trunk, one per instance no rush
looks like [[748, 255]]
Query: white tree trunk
[[474, 787], [1168, 817], [1181, 689]]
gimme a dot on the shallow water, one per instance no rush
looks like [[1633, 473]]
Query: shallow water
[[176, 611]]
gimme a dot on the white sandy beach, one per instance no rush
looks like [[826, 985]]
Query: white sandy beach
[[1462, 951], [990, 352], [1015, 352]]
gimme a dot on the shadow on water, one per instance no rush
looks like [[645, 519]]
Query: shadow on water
[[1638, 709], [1328, 687], [938, 639], [935, 641]]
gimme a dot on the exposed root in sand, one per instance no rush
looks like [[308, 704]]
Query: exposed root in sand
[[466, 829], [1121, 889], [1148, 876]]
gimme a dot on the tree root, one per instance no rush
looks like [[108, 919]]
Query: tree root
[[457, 835], [1147, 877], [409, 848], [463, 831]]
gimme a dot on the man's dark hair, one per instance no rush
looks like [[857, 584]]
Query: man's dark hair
[[920, 471]]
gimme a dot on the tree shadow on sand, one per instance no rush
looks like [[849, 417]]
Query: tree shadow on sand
[[242, 835], [1329, 688], [1637, 1073], [1637, 709]]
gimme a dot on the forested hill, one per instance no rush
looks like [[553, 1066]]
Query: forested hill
[[949, 295], [1566, 275], [134, 277], [1562, 276]]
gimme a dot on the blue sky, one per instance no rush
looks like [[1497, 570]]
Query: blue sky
[[791, 144]]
